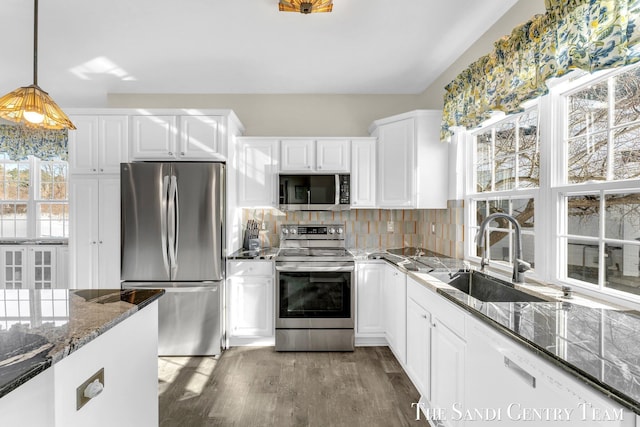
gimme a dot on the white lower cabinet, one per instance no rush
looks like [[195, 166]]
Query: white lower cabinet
[[395, 311], [250, 289], [436, 352], [94, 232], [519, 380], [369, 300]]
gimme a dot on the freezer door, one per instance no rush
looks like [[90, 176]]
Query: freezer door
[[189, 319], [144, 188], [196, 221]]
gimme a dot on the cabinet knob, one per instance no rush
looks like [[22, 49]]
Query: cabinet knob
[[424, 316], [101, 170], [93, 243], [433, 324], [100, 241], [170, 153], [308, 166], [182, 153], [94, 170], [319, 167]]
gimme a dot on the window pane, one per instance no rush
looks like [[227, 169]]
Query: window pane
[[528, 249], [622, 217], [588, 158], [53, 219], [528, 169], [483, 177], [481, 211], [499, 245], [498, 206], [483, 148], [588, 110], [523, 210], [13, 220], [626, 152], [582, 261], [622, 267], [583, 215], [505, 173], [627, 96], [505, 142]]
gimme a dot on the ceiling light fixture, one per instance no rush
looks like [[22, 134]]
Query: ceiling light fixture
[[309, 6], [30, 104]]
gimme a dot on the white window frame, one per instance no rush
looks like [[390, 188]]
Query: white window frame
[[34, 200]]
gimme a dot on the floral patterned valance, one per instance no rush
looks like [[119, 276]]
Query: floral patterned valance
[[22, 141], [588, 35]]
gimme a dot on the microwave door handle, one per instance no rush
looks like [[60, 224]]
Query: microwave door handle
[[337, 202], [308, 197]]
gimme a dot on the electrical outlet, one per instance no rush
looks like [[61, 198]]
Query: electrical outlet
[[265, 225], [389, 226]]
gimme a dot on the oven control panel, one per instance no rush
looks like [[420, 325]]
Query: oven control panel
[[307, 231]]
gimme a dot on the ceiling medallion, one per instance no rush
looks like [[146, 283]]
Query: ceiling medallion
[[306, 7]]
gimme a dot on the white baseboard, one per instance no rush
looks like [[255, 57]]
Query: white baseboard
[[371, 341]]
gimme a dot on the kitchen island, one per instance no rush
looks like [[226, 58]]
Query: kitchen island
[[53, 341]]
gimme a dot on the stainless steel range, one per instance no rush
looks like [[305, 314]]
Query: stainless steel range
[[315, 289]]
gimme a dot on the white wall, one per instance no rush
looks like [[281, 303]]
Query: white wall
[[330, 115]]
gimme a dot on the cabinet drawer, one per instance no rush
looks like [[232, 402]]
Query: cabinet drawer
[[250, 268]]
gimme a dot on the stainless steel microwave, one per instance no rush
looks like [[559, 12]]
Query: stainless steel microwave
[[315, 192]]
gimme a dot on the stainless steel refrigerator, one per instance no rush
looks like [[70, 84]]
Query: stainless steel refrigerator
[[172, 237]]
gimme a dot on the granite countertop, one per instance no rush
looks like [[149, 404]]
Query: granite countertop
[[41, 327], [599, 346], [264, 253]]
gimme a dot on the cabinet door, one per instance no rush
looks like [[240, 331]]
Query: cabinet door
[[396, 154], [370, 279], [363, 173], [199, 138], [42, 266], [395, 312], [333, 155], [109, 234], [418, 346], [14, 267], [62, 267], [83, 144], [83, 232], [297, 155], [153, 137], [252, 300], [257, 173], [447, 369], [113, 143]]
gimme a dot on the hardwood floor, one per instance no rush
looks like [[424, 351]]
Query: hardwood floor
[[257, 386]]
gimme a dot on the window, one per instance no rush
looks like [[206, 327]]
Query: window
[[506, 164], [599, 191], [569, 170], [33, 199]]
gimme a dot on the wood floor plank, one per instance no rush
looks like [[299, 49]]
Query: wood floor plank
[[257, 386]]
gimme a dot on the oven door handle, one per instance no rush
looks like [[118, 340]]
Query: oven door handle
[[305, 268]]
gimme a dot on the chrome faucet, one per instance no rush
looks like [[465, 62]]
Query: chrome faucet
[[519, 265]]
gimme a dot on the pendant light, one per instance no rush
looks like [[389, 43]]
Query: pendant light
[[30, 104], [308, 6]]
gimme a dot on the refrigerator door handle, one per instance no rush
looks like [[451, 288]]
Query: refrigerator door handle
[[176, 233], [163, 222], [172, 224]]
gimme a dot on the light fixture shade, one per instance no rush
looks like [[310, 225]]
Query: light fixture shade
[[34, 107], [306, 6]]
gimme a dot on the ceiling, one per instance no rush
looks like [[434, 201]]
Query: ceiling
[[88, 49]]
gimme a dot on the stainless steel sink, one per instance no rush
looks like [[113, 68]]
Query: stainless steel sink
[[484, 287]]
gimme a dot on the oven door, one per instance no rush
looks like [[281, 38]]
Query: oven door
[[314, 295]]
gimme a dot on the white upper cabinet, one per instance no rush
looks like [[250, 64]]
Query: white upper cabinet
[[169, 135], [257, 172], [99, 144], [297, 155], [199, 137], [153, 137], [333, 155], [363, 173], [326, 155], [412, 162]]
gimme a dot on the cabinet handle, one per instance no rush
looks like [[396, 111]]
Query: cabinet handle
[[424, 316], [433, 324], [308, 166], [170, 153], [529, 379], [182, 153]]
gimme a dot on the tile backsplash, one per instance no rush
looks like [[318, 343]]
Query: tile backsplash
[[439, 230]]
